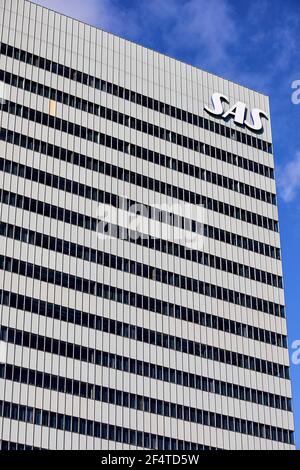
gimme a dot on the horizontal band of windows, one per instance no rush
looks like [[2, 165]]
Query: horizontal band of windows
[[164, 340], [91, 321], [171, 278], [97, 195], [89, 223], [136, 300], [140, 99], [126, 364], [138, 269], [97, 429], [140, 180], [105, 168], [9, 445], [84, 191], [164, 246], [137, 124], [141, 403], [93, 224]]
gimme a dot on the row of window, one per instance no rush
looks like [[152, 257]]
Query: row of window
[[94, 164], [99, 430], [127, 265], [142, 403], [204, 288], [138, 179], [161, 275], [137, 98], [142, 126], [98, 195], [185, 346], [183, 282], [175, 343], [154, 337], [106, 259], [134, 366], [178, 250], [8, 445]]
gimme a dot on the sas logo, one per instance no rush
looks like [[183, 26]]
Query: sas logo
[[238, 112]]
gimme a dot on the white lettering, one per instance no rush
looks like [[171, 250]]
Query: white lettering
[[216, 100], [112, 460], [296, 354], [296, 93], [256, 115], [238, 112]]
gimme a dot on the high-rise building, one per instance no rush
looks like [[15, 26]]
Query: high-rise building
[[142, 303]]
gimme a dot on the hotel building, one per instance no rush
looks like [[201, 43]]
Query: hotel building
[[141, 292]]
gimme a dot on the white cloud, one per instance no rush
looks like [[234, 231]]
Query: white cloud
[[201, 30], [205, 27], [105, 14], [289, 179], [205, 30]]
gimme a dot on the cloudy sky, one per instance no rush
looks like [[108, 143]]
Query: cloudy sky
[[253, 43]]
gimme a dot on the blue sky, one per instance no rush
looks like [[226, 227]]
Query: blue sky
[[253, 43]]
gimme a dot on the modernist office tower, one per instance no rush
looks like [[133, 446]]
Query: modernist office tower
[[141, 290]]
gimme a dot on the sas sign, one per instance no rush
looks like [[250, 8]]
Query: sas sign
[[238, 112]]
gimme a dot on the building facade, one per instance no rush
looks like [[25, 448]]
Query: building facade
[[142, 302]]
